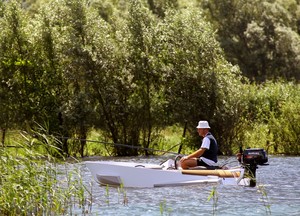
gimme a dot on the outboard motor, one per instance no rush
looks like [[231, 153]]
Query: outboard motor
[[250, 158]]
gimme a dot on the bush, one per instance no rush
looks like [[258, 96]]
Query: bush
[[272, 119]]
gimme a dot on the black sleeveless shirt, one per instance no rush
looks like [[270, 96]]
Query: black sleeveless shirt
[[212, 152]]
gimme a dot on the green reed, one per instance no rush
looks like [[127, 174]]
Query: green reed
[[214, 196], [164, 210], [265, 199], [36, 184], [122, 192]]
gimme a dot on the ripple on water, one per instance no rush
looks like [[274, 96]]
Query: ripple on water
[[278, 193]]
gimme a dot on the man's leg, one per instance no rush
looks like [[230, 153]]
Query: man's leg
[[188, 163]]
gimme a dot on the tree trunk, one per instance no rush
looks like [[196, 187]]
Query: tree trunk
[[3, 137]]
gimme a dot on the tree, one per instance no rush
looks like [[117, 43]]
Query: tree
[[125, 84], [256, 36], [18, 75], [198, 82], [69, 21]]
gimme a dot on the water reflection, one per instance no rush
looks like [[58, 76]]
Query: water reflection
[[277, 193]]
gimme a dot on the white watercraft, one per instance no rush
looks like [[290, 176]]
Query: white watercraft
[[130, 174]]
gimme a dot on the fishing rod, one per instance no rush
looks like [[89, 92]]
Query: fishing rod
[[122, 145], [183, 135]]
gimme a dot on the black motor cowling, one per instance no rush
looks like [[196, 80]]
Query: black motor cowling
[[254, 156]]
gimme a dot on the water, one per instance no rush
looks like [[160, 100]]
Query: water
[[277, 193]]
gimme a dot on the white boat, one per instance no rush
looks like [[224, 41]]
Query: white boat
[[141, 175], [130, 174]]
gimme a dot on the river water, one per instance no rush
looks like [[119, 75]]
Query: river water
[[277, 193]]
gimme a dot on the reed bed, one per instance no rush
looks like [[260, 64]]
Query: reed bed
[[36, 184]]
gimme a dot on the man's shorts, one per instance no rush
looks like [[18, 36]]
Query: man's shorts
[[201, 163]]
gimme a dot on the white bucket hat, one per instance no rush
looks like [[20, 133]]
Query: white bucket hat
[[203, 124]]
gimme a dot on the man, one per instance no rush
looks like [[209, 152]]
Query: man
[[207, 154]]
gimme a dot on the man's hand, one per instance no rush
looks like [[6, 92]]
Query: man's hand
[[183, 159]]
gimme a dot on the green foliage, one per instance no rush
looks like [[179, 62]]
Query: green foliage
[[272, 119], [15, 65], [198, 82], [159, 7], [132, 68], [260, 36], [33, 185]]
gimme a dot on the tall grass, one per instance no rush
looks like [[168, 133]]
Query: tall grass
[[164, 210], [264, 198], [215, 197], [36, 184]]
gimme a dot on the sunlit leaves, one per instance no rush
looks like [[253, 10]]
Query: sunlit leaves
[[272, 117], [253, 34], [129, 68]]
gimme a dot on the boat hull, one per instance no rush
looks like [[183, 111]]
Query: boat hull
[[128, 174]]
